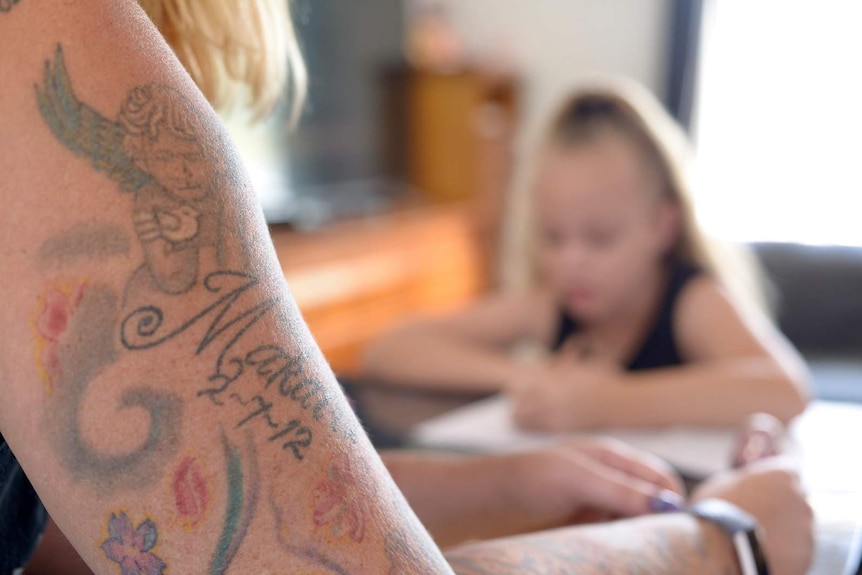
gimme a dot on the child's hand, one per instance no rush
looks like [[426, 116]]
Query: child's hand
[[564, 395]]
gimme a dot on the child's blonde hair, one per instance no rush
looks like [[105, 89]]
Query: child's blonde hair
[[626, 109], [229, 46]]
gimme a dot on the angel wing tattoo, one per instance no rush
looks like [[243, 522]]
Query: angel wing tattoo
[[154, 150], [83, 130]]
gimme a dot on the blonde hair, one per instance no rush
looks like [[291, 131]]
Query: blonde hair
[[235, 49], [624, 108]]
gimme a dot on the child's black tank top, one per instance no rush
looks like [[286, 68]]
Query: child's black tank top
[[659, 347]]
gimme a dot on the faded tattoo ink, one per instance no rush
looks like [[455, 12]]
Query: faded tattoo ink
[[87, 351], [132, 548], [315, 556], [339, 504], [174, 169], [176, 172], [243, 485], [191, 493], [96, 241], [7, 5], [273, 375], [153, 151], [57, 304]]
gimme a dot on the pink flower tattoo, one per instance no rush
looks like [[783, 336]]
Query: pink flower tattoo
[[131, 549], [58, 306], [338, 504], [191, 494]]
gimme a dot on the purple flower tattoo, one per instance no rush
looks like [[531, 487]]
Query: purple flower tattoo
[[130, 548]]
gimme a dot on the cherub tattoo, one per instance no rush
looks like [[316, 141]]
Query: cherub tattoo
[[153, 151]]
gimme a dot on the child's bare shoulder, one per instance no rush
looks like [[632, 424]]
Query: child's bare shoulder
[[708, 322]]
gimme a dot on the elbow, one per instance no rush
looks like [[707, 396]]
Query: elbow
[[793, 408], [796, 394]]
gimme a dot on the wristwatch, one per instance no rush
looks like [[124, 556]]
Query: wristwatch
[[742, 529]]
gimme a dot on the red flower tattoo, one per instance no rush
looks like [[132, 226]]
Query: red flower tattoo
[[191, 494], [338, 503]]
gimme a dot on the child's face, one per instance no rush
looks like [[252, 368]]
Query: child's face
[[603, 228]]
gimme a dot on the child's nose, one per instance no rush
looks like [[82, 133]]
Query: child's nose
[[575, 256]]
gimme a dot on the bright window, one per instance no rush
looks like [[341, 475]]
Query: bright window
[[779, 121]]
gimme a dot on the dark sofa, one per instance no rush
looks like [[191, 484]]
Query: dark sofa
[[819, 308]]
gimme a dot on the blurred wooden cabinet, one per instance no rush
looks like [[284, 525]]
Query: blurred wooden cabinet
[[454, 121], [356, 279], [460, 128]]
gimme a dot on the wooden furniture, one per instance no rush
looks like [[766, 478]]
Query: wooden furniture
[[451, 118], [355, 279], [459, 132]]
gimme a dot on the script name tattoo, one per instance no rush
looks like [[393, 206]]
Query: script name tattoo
[[160, 153], [175, 169]]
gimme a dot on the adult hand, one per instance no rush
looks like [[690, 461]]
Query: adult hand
[[585, 480], [770, 491]]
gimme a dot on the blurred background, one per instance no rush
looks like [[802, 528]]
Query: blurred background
[[401, 190]]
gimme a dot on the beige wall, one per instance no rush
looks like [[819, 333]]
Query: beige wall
[[554, 44], [555, 41]]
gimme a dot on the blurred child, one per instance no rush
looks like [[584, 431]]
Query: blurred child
[[645, 323]]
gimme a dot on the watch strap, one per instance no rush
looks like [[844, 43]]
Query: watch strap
[[742, 529]]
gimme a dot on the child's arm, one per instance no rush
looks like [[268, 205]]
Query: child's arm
[[468, 351], [736, 366]]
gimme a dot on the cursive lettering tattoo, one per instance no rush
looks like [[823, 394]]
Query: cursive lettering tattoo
[[163, 156], [190, 295], [273, 378]]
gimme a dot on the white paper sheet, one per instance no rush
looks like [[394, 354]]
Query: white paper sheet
[[486, 426]]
